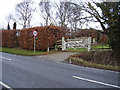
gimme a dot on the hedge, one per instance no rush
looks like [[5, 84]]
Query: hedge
[[0, 38], [9, 38], [102, 38], [47, 36]]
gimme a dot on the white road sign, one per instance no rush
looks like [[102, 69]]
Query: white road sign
[[35, 33]]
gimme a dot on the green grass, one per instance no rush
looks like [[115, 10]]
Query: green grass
[[94, 47], [0, 49], [77, 50], [19, 51], [100, 46], [81, 62]]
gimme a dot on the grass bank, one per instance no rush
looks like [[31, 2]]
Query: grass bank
[[19, 51], [77, 50], [100, 46], [79, 61], [97, 47]]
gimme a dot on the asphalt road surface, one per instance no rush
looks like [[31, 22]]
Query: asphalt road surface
[[33, 72]]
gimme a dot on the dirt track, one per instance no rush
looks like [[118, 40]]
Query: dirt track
[[57, 57]]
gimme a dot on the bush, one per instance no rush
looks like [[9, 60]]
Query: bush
[[104, 38], [47, 36], [9, 38], [44, 38], [98, 57], [0, 38]]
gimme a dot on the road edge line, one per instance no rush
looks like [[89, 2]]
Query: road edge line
[[5, 58], [102, 83], [6, 86]]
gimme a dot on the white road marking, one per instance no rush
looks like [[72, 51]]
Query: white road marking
[[96, 82], [5, 58], [6, 86]]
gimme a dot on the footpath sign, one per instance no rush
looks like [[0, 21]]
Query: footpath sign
[[35, 35]]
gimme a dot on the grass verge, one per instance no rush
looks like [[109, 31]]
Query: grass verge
[[100, 46], [94, 47], [19, 51], [77, 50], [79, 61]]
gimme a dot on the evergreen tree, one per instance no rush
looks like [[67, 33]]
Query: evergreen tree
[[14, 25], [111, 13], [8, 26], [110, 16]]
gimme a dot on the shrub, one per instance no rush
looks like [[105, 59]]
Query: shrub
[[47, 36], [0, 38], [26, 38], [9, 38], [104, 38]]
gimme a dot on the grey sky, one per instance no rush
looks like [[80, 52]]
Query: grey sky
[[8, 6]]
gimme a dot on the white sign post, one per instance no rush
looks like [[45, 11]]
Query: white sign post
[[63, 44], [35, 34], [89, 43]]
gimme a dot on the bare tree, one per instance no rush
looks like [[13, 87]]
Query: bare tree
[[24, 12], [63, 12], [92, 13], [76, 12], [9, 18], [45, 8], [68, 12]]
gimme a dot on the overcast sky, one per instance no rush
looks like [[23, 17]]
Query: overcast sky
[[8, 6]]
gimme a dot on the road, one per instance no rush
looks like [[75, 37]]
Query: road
[[33, 72]]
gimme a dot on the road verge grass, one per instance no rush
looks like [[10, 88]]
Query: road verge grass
[[77, 50], [100, 46], [81, 62], [24, 52], [97, 47]]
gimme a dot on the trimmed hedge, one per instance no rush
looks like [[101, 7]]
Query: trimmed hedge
[[9, 38], [88, 33], [47, 36], [0, 38], [100, 37], [104, 38]]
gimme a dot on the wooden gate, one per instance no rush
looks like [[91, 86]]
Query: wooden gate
[[83, 42]]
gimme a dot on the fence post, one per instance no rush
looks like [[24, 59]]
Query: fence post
[[63, 44], [48, 49], [89, 43]]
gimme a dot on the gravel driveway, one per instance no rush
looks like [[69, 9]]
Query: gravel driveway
[[57, 57]]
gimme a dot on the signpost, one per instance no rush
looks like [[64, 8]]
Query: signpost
[[35, 34]]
